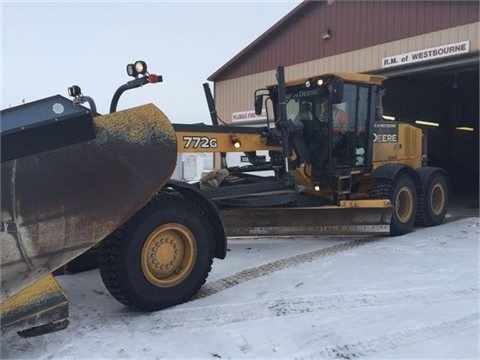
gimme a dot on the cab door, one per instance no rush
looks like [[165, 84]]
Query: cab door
[[349, 126]]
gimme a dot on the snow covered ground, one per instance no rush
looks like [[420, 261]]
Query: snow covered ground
[[414, 296]]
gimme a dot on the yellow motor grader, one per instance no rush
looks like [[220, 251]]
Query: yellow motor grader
[[73, 179], [336, 165]]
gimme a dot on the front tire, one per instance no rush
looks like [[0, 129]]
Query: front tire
[[162, 256]]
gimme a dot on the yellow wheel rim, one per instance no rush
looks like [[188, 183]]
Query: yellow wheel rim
[[404, 204], [437, 199], [168, 255]]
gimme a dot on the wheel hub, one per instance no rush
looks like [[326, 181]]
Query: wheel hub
[[404, 204], [437, 199], [165, 256], [168, 255]]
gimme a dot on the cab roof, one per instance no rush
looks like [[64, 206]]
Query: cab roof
[[347, 77]]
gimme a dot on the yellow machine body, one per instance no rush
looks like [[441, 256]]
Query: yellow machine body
[[403, 145]]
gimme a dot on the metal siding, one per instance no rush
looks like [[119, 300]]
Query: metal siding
[[360, 20], [332, 16], [428, 16], [369, 23], [438, 14], [454, 13], [344, 15], [408, 23], [319, 23], [377, 26], [354, 25], [349, 24], [296, 45], [421, 26], [390, 26], [412, 19], [358, 24], [445, 12]]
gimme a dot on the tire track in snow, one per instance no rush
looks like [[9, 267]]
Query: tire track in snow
[[252, 273], [393, 340], [226, 314]]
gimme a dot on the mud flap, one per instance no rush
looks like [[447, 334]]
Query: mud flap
[[36, 310], [351, 217]]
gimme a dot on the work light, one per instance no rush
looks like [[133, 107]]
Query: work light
[[139, 68]]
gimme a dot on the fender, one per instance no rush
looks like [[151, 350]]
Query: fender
[[391, 171], [426, 172], [196, 196]]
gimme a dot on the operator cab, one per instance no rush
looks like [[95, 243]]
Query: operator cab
[[334, 115]]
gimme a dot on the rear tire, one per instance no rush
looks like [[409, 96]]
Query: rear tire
[[162, 256], [433, 201], [402, 193]]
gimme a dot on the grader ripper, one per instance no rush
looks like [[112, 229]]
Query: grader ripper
[[73, 179]]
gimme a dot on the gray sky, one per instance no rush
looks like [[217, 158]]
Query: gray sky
[[48, 46]]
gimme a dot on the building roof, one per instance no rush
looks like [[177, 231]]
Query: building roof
[[350, 25]]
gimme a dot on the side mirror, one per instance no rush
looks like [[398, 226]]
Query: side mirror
[[258, 103], [336, 91]]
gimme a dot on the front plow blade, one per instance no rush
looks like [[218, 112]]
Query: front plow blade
[[351, 217], [57, 203], [38, 309]]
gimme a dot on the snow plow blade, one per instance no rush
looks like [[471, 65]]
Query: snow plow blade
[[42, 303], [63, 193], [351, 217]]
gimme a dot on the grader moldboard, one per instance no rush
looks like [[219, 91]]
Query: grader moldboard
[[73, 179]]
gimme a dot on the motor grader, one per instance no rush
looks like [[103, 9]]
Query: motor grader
[[365, 175], [73, 179]]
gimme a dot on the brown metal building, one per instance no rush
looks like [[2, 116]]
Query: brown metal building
[[429, 50]]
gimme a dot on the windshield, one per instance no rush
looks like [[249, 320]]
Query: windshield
[[306, 104]]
